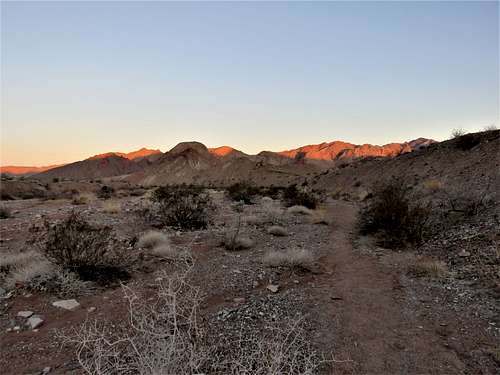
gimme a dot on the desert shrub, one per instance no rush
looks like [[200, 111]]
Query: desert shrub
[[393, 216], [82, 198], [5, 213], [89, 251], [112, 207], [55, 180], [166, 336], [428, 267], [299, 210], [182, 207], [242, 192], [457, 133], [490, 128], [467, 141], [468, 202], [152, 239], [290, 258], [277, 230], [294, 196], [253, 220], [433, 185], [106, 192], [235, 243]]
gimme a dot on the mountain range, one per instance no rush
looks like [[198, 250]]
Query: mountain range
[[193, 162]]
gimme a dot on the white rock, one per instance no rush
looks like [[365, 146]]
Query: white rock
[[273, 288], [67, 304], [463, 254], [25, 314], [91, 309], [35, 321]]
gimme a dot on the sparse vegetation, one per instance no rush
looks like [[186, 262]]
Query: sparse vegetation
[[292, 258], [90, 251], [183, 207], [294, 196], [152, 239], [242, 192], [106, 192], [429, 267], [394, 216], [277, 230], [299, 210], [112, 207], [82, 198], [457, 133]]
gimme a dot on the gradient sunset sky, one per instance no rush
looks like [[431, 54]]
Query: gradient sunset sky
[[81, 78]]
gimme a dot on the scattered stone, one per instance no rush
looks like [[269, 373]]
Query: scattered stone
[[463, 254], [25, 314], [46, 370], [35, 321], [91, 309], [2, 292], [272, 288], [239, 300], [67, 304]]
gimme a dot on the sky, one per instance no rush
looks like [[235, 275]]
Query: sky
[[82, 78]]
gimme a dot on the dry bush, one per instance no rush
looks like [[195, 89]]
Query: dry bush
[[299, 210], [466, 201], [273, 215], [90, 251], [82, 198], [112, 207], [152, 239], [183, 207], [12, 260], [29, 272], [234, 243], [394, 216], [429, 267], [166, 336], [5, 213], [457, 133], [292, 258], [319, 216], [106, 192], [165, 250], [253, 220], [294, 196], [242, 192], [277, 230]]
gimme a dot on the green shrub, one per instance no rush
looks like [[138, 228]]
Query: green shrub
[[185, 207], [391, 215], [294, 196], [242, 192]]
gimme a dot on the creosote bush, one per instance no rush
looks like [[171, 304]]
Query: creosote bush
[[184, 207], [242, 192], [394, 216], [294, 196], [89, 251]]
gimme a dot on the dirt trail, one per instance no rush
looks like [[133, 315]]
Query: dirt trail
[[369, 327]]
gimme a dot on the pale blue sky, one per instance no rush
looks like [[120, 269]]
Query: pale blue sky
[[83, 78]]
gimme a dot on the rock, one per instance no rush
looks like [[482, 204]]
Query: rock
[[2, 292], [272, 288], [67, 304], [463, 254], [17, 328], [25, 314], [91, 309], [35, 321], [46, 370], [239, 300]]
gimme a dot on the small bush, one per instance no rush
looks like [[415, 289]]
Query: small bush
[[77, 246], [457, 133], [242, 192], [428, 267], [152, 239], [393, 216], [467, 141], [5, 213], [82, 198], [291, 258], [112, 207], [299, 210], [235, 243], [106, 192], [433, 185], [294, 196], [277, 230], [183, 207]]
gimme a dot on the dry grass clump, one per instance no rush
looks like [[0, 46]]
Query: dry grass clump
[[29, 272], [82, 198], [233, 243], [152, 239], [319, 216], [433, 185], [112, 207], [299, 210], [253, 220], [429, 267], [277, 230], [291, 258]]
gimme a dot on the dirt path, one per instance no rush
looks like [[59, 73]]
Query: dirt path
[[369, 327]]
